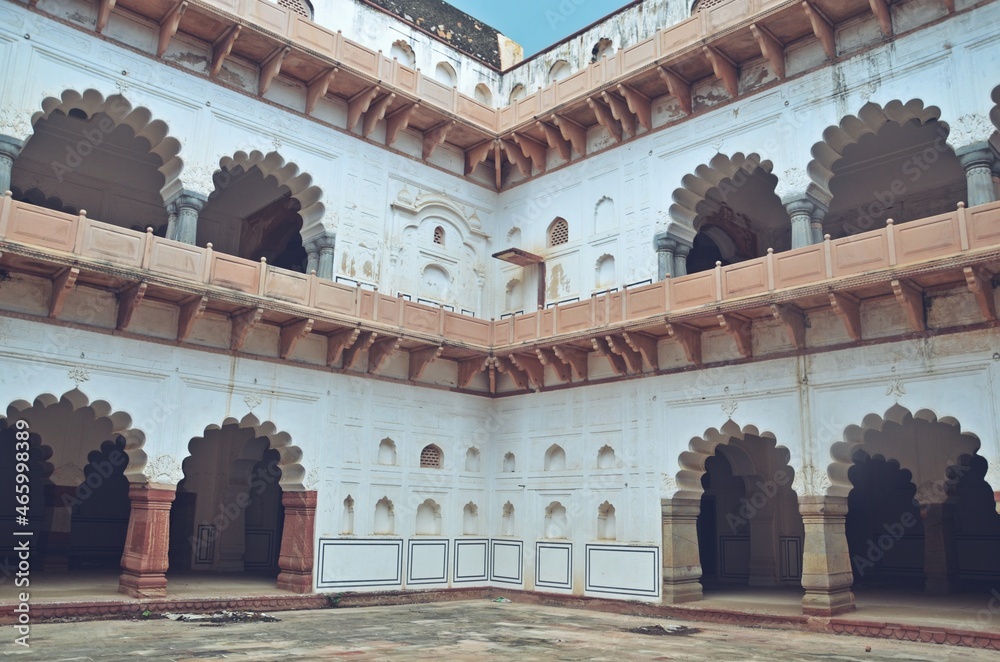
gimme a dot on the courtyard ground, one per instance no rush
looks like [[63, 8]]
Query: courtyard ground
[[454, 631]]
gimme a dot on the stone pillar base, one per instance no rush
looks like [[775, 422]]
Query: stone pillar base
[[679, 592], [297, 540], [296, 582], [681, 564], [143, 585], [823, 603]]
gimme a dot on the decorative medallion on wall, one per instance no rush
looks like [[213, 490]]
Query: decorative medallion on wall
[[896, 389], [729, 405], [311, 479], [164, 469], [253, 398], [811, 481], [969, 129], [79, 374], [668, 485]]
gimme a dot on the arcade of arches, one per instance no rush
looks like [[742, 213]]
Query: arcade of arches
[[228, 514]]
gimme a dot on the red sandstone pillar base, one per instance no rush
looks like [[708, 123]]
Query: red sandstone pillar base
[[296, 559], [826, 561], [144, 563]]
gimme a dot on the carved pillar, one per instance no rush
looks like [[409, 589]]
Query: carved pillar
[[185, 228], [978, 160], [826, 561], [10, 148], [940, 555], [801, 212], [681, 564], [681, 259], [665, 247], [326, 243], [296, 560], [144, 562], [312, 255]]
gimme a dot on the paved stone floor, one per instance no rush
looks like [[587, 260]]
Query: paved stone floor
[[452, 631]]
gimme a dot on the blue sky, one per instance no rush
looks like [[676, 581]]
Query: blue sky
[[536, 24]]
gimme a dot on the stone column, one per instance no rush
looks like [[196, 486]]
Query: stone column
[[940, 555], [681, 563], [664, 246], [312, 255], [826, 561], [801, 212], [297, 541], [978, 161], [144, 562], [10, 148], [189, 204], [817, 224], [326, 243], [681, 259]]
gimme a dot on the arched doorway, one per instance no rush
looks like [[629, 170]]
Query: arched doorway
[[731, 204], [75, 456], [102, 155], [886, 162], [227, 516]]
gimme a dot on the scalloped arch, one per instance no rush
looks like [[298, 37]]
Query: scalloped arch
[[140, 120], [842, 451], [850, 131], [995, 117], [285, 173], [707, 180], [121, 424], [293, 474], [692, 461]]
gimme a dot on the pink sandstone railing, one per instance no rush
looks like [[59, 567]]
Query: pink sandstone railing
[[917, 241], [340, 51], [922, 241], [103, 243]]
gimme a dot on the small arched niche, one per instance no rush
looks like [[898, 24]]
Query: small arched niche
[[484, 94], [509, 463], [602, 49], [605, 272], [606, 523], [559, 70], [347, 518], [428, 518], [517, 92], [507, 520], [606, 458], [384, 517], [472, 459], [470, 519], [556, 522], [431, 457], [387, 452], [445, 74], [555, 458], [402, 52]]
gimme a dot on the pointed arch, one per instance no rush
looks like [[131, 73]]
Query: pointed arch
[[842, 452], [692, 461], [851, 129], [555, 458], [139, 119], [287, 174], [120, 425], [292, 472]]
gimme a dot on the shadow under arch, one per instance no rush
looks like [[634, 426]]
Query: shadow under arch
[[293, 474], [842, 452], [287, 174], [852, 128], [692, 461], [120, 425], [139, 119]]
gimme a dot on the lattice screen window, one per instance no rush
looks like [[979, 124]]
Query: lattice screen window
[[706, 4], [430, 457], [300, 7], [558, 232], [439, 235]]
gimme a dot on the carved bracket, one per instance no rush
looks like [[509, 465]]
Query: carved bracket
[[574, 357], [532, 366], [505, 367], [436, 136], [358, 105], [376, 112], [770, 48], [563, 371], [646, 346], [62, 285], [168, 27], [469, 368], [221, 49], [911, 297], [128, 300], [271, 68], [243, 323], [397, 121], [725, 70], [421, 358], [740, 329], [337, 342], [794, 322], [822, 28], [678, 87], [848, 308], [555, 140], [189, 313], [689, 339], [318, 87], [352, 353], [617, 362], [575, 133], [633, 361], [980, 283], [606, 119], [380, 352], [291, 334]]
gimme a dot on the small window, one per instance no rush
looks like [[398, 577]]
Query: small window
[[439, 235], [518, 92], [300, 7], [558, 232], [484, 94], [430, 457]]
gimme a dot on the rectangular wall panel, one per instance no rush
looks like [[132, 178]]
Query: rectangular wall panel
[[471, 560], [623, 570], [506, 559], [360, 563], [554, 565], [428, 562]]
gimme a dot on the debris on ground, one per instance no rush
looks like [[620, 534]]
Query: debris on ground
[[502, 600], [224, 617], [659, 630]]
